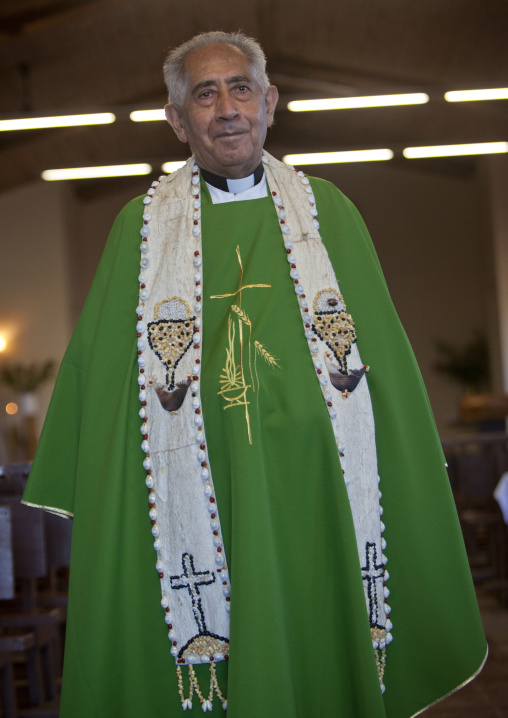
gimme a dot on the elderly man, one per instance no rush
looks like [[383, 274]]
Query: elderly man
[[282, 474]]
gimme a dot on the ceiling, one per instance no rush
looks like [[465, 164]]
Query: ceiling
[[59, 56]]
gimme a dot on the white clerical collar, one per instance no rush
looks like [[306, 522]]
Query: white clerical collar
[[219, 196], [223, 189]]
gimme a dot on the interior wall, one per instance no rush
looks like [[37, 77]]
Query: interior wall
[[34, 289]]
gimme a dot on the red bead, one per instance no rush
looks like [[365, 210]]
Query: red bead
[[139, 352], [141, 371], [196, 346], [302, 296], [161, 575], [196, 253], [175, 643], [202, 447], [195, 221], [226, 657], [296, 281], [198, 361], [143, 403], [152, 522], [144, 239], [319, 371], [293, 266], [227, 598], [148, 472], [329, 403], [219, 550], [167, 609], [203, 463], [213, 516], [282, 221], [211, 658], [212, 500], [145, 221], [224, 583], [215, 533], [197, 411], [198, 298], [195, 377], [142, 286], [274, 194], [138, 334], [288, 251]]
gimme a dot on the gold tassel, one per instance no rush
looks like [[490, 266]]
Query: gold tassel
[[206, 703]]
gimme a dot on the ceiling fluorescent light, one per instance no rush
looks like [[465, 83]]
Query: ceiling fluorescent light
[[37, 123], [172, 166], [501, 93], [147, 115], [348, 103], [322, 158], [479, 148], [73, 173]]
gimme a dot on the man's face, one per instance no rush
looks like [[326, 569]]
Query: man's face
[[225, 115]]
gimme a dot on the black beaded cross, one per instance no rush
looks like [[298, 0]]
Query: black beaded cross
[[372, 572], [192, 580]]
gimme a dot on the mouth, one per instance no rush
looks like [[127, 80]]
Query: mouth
[[232, 134]]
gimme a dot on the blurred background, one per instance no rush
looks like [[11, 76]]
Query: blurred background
[[439, 224]]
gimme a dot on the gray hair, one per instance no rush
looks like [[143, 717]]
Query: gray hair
[[176, 77]]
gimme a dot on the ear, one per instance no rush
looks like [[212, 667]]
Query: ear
[[271, 99], [174, 118]]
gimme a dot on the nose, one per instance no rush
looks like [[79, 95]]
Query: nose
[[226, 108]]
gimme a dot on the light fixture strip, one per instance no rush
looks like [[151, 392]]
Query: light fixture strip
[[320, 158], [169, 167], [73, 173], [147, 115], [500, 93], [38, 123], [349, 103], [477, 148]]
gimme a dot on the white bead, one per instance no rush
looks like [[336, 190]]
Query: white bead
[[309, 334], [389, 625], [384, 560], [314, 350], [317, 363], [198, 421], [381, 510], [195, 369], [219, 559], [226, 591], [383, 687], [387, 575], [157, 545], [153, 515], [155, 531], [171, 633], [323, 380], [197, 322], [144, 446], [288, 244], [205, 474], [142, 395], [142, 279], [389, 638], [328, 397], [383, 527], [386, 591], [313, 211], [143, 295], [143, 428], [291, 259], [151, 498], [159, 567], [197, 307], [195, 168], [333, 413], [196, 204], [194, 386], [214, 525], [228, 607], [208, 490], [285, 229], [195, 403], [312, 198], [264, 159], [201, 455], [144, 231], [224, 575], [200, 437], [197, 261], [141, 379], [383, 543], [315, 223], [388, 610], [140, 327], [147, 200], [197, 277], [141, 360], [281, 213], [151, 192], [305, 180], [277, 201], [161, 177], [294, 274], [147, 216], [196, 231], [164, 602], [212, 508], [149, 482], [142, 413], [174, 651], [196, 338], [144, 262], [217, 541], [341, 448], [299, 289]]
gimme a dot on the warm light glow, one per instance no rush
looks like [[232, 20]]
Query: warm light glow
[[172, 166], [479, 148], [11, 408], [3, 343], [349, 103], [38, 123], [73, 173], [147, 115], [321, 158], [501, 93]]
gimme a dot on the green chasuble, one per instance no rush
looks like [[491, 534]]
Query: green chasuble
[[300, 643]]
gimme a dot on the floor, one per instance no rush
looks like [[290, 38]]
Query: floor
[[487, 695]]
